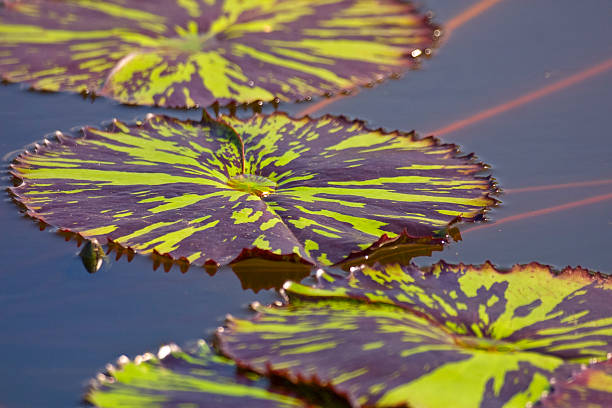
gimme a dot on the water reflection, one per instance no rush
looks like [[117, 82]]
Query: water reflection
[[400, 249], [92, 255], [257, 273], [259, 269]]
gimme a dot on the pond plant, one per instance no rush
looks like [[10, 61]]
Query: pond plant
[[313, 192], [174, 377], [393, 335], [198, 52], [316, 188]]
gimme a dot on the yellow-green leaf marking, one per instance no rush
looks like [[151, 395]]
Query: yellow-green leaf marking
[[204, 191], [187, 53], [181, 379], [451, 336]]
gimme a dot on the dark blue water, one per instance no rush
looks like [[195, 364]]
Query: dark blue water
[[59, 324]]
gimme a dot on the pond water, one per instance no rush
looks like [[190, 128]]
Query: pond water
[[59, 325]]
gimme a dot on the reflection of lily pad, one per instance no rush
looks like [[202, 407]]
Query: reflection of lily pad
[[92, 256], [400, 249], [182, 379], [457, 336], [589, 388], [196, 52], [202, 192], [257, 274]]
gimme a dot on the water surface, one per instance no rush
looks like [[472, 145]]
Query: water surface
[[59, 325]]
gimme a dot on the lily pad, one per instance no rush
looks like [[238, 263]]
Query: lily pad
[[453, 335], [176, 378], [190, 53], [591, 387], [202, 192]]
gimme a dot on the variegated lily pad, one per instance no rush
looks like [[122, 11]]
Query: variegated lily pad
[[185, 53], [202, 192], [177, 378], [589, 388], [459, 336]]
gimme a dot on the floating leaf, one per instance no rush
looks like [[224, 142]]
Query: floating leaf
[[592, 388], [176, 378], [203, 192], [186, 53], [459, 336]]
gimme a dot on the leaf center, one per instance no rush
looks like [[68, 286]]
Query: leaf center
[[191, 43], [252, 184], [483, 343]]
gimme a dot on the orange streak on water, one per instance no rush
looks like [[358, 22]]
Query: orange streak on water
[[319, 105], [543, 211], [559, 186], [529, 97], [468, 14], [451, 25]]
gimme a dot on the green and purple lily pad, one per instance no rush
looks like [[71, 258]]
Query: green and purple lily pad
[[177, 378], [204, 192], [451, 335], [186, 53]]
